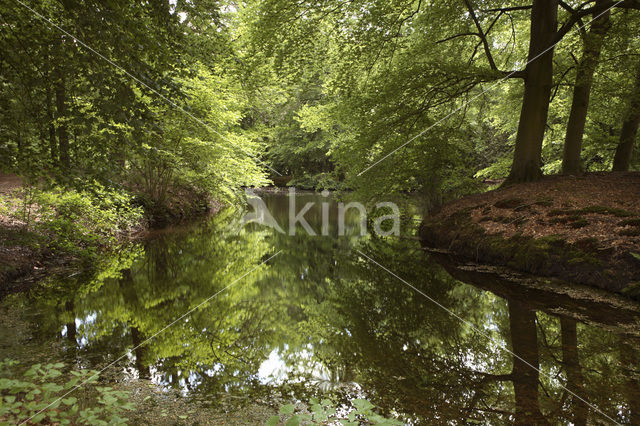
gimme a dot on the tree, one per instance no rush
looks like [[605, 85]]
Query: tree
[[537, 92], [593, 41], [629, 132]]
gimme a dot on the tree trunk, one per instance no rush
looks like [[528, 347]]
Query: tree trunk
[[53, 143], [582, 92], [537, 93], [622, 159], [63, 135]]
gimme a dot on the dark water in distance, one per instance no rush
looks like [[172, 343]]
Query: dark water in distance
[[321, 319]]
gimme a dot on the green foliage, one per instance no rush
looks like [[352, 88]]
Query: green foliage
[[79, 222], [202, 150], [325, 411], [41, 395], [83, 220]]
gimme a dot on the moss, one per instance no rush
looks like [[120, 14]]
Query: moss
[[607, 210], [553, 240], [632, 290], [591, 209], [630, 222], [546, 202], [633, 232], [508, 203], [581, 223], [557, 212], [521, 208]]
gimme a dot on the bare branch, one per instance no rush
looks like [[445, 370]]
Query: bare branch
[[456, 36], [482, 34]]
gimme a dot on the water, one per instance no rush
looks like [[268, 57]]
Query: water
[[320, 319]]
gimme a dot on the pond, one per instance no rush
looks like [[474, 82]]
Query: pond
[[274, 317]]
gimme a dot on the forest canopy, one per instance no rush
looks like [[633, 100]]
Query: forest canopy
[[208, 97]]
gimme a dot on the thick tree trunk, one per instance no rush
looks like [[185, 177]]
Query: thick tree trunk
[[582, 92], [571, 363], [629, 132], [63, 135], [537, 92]]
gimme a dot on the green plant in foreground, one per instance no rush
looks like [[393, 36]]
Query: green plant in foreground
[[324, 411], [40, 389]]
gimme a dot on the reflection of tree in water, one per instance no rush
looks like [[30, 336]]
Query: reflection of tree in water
[[630, 366], [525, 376], [335, 319], [412, 356], [401, 346], [573, 370]]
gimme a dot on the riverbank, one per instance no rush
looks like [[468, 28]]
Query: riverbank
[[46, 231], [580, 229]]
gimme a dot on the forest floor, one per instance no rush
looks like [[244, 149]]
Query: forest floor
[[583, 229], [19, 252]]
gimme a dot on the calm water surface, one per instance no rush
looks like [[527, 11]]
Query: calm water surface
[[320, 319]]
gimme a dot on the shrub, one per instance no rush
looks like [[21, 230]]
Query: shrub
[[40, 396], [81, 221]]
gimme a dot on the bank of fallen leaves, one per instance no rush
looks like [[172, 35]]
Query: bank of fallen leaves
[[597, 206]]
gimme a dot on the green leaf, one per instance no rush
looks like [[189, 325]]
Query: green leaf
[[273, 421], [362, 404], [37, 418], [69, 401], [287, 409], [293, 421]]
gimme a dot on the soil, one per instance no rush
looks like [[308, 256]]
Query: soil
[[582, 229]]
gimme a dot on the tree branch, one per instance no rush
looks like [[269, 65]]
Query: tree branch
[[596, 11], [482, 35], [456, 36], [509, 9]]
